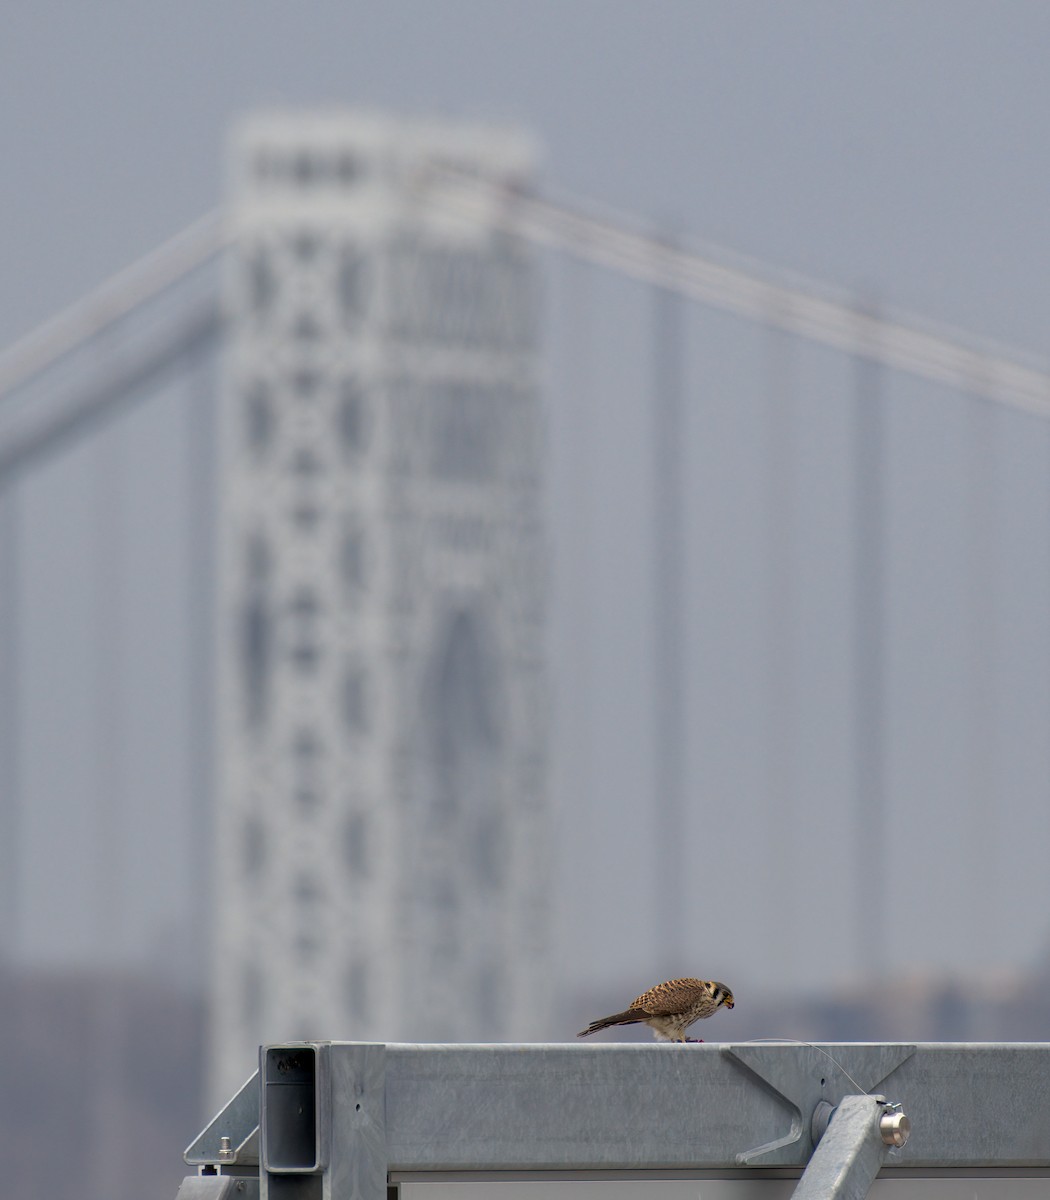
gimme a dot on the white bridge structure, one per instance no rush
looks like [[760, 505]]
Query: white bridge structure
[[357, 345]]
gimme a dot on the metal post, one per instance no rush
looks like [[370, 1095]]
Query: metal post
[[850, 1153]]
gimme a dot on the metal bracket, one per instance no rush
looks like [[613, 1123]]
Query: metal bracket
[[232, 1136], [804, 1076]]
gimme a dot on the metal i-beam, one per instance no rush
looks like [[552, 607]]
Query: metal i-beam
[[345, 1119]]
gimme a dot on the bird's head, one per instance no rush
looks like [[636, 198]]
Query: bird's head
[[723, 996]]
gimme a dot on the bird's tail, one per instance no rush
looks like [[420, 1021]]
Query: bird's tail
[[624, 1018]]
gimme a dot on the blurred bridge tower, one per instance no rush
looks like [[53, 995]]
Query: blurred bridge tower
[[382, 808]]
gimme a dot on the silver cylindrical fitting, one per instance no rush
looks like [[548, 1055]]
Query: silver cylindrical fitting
[[895, 1128]]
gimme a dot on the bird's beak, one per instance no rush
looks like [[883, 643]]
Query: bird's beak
[[729, 1002]]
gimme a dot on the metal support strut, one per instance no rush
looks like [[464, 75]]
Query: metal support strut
[[860, 1134]]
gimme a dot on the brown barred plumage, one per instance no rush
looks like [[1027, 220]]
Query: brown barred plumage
[[670, 1008]]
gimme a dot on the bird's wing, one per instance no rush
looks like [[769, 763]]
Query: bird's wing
[[674, 996]]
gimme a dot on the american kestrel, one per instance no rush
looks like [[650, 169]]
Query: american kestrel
[[670, 1008]]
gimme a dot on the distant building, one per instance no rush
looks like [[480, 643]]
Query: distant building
[[382, 773]]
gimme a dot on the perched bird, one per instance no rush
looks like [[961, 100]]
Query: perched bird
[[670, 1008]]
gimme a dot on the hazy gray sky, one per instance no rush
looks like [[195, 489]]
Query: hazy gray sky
[[896, 145], [898, 148]]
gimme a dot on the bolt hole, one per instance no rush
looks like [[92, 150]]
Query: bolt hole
[[357, 1107], [822, 1082]]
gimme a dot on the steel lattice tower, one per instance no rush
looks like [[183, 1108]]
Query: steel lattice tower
[[382, 773]]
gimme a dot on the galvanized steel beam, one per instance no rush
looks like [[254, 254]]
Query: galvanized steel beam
[[407, 1109]]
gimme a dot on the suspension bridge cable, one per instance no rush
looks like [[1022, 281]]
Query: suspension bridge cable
[[113, 300], [800, 307], [25, 442]]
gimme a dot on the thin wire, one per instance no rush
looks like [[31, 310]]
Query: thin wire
[[812, 1046]]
